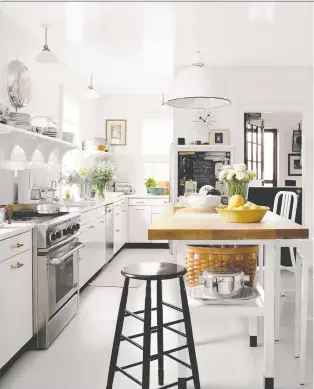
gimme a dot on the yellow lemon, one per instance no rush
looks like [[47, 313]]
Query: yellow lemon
[[236, 201], [246, 206]]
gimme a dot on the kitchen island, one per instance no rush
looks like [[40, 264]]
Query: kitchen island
[[206, 229]]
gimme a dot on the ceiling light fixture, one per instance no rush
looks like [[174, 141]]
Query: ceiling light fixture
[[92, 93], [46, 56], [193, 88]]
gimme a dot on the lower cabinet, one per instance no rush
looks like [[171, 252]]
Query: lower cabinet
[[16, 304], [93, 255], [140, 219]]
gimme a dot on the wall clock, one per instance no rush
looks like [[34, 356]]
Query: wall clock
[[204, 120]]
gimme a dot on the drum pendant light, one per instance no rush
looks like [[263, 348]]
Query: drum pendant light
[[46, 56], [194, 87]]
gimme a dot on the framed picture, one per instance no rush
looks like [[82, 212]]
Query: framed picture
[[297, 141], [219, 137], [294, 165], [116, 132]]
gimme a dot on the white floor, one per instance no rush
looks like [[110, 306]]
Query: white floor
[[79, 358]]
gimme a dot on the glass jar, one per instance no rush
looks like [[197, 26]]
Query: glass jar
[[238, 188]]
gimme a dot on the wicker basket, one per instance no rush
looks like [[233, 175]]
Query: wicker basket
[[201, 258]]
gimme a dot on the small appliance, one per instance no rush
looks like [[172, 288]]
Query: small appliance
[[124, 187], [27, 180]]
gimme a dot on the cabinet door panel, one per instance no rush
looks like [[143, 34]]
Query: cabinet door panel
[[139, 221], [16, 304]]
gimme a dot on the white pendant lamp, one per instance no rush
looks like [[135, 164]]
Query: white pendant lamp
[[91, 93], [194, 87], [46, 56]]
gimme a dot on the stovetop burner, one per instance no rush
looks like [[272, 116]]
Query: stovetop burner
[[24, 216]]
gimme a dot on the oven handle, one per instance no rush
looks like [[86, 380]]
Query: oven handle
[[57, 261]]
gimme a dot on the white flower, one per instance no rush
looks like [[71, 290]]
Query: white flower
[[241, 176], [230, 176], [240, 167], [226, 167]]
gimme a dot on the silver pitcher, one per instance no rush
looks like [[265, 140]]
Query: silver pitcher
[[223, 284]]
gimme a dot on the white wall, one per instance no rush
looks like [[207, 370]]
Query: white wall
[[46, 79], [260, 90], [285, 123], [132, 109]]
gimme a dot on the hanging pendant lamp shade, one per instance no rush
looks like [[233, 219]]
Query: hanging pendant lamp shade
[[194, 87], [46, 55], [91, 93]]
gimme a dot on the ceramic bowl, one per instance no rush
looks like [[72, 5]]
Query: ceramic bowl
[[242, 215], [156, 191], [200, 201]]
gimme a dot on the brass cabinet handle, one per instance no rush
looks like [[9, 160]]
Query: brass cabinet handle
[[17, 246], [18, 265]]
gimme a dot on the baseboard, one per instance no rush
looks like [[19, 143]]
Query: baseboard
[[146, 246], [30, 345]]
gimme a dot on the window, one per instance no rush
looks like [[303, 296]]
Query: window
[[261, 149], [270, 157], [157, 136]]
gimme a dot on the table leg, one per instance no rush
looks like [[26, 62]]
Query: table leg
[[272, 251], [304, 312], [297, 310], [261, 265], [277, 293]]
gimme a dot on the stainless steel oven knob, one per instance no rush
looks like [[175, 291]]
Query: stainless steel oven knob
[[58, 234], [77, 226], [65, 232], [52, 237], [69, 230]]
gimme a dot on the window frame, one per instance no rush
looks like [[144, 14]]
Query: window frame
[[274, 181]]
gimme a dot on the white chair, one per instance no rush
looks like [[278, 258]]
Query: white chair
[[288, 209]]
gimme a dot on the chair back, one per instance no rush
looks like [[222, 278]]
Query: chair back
[[289, 204]]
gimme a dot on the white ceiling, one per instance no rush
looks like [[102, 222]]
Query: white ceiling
[[134, 47]]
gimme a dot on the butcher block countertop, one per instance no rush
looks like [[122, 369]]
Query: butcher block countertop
[[182, 226]]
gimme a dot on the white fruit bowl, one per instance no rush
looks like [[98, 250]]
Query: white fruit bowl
[[201, 201]]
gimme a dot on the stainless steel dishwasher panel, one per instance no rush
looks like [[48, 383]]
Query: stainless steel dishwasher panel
[[109, 231]]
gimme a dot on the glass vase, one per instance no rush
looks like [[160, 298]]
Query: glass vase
[[101, 190], [238, 188]]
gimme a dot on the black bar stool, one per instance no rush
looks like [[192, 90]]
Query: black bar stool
[[154, 271]]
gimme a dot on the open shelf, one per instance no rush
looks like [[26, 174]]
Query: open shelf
[[30, 141], [97, 154]]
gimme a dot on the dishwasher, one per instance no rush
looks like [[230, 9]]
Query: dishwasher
[[109, 231]]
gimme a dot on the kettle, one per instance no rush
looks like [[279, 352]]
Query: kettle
[[223, 283]]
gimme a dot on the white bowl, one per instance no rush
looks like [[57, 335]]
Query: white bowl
[[204, 201]]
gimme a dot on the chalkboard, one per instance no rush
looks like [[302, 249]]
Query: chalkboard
[[196, 168]]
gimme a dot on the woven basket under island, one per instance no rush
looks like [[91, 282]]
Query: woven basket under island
[[201, 258]]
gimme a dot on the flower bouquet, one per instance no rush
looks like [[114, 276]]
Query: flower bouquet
[[237, 178], [101, 174]]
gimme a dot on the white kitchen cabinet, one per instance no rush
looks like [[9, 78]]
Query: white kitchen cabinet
[[140, 219], [120, 224], [16, 304], [93, 255]]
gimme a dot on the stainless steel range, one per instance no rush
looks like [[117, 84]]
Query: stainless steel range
[[55, 272]]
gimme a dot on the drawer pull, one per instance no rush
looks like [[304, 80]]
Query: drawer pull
[[18, 265], [140, 202], [117, 214], [91, 227], [102, 222], [139, 209], [117, 230], [17, 246]]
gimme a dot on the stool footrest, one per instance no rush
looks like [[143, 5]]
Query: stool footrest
[[179, 361], [176, 331], [138, 312], [129, 313], [173, 350], [128, 375], [172, 306], [182, 381], [131, 341]]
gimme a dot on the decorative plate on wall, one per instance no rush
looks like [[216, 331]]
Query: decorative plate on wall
[[19, 84]]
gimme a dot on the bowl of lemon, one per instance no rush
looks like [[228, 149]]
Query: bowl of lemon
[[238, 211]]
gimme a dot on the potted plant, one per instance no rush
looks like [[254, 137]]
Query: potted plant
[[237, 178], [151, 185]]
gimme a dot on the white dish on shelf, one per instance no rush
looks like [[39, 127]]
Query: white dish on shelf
[[201, 201]]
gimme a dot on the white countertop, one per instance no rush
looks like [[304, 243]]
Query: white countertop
[[9, 230], [147, 196]]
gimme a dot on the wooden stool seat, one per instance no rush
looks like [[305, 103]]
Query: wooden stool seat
[[153, 271]]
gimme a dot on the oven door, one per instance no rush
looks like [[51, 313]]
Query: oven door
[[62, 271]]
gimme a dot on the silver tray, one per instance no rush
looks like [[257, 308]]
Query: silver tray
[[19, 84], [247, 293]]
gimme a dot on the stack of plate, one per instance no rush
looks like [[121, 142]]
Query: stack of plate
[[51, 132], [21, 120]]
